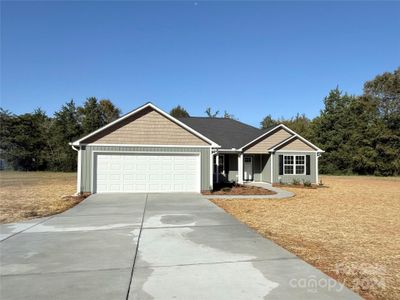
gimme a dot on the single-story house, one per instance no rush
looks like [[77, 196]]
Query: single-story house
[[148, 150]]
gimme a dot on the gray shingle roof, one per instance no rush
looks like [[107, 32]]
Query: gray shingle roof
[[228, 133]]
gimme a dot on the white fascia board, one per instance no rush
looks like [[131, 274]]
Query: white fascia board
[[212, 143]]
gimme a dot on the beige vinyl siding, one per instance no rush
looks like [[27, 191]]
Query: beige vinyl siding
[[147, 127], [87, 163], [296, 145], [272, 139]]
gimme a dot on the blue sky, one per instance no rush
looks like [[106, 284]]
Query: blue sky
[[249, 58]]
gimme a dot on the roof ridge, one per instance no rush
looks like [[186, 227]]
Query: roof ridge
[[221, 118]]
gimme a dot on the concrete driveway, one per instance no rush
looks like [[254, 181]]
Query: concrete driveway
[[151, 246]]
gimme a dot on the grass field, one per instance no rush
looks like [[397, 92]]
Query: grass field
[[26, 195], [349, 229]]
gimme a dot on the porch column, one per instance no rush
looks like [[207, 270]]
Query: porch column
[[217, 164], [240, 168], [272, 167]]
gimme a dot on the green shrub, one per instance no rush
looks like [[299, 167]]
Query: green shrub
[[295, 181], [226, 189], [306, 183]]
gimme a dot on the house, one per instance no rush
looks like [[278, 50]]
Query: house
[[147, 150]]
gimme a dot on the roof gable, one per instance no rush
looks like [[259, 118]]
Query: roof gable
[[266, 142], [147, 125], [271, 130]]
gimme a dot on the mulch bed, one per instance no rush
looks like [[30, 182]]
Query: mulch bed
[[241, 190]]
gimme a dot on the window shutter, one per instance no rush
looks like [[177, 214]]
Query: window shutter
[[308, 167], [280, 164]]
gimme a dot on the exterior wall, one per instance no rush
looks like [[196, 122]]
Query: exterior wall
[[233, 167], [147, 127], [296, 145], [266, 171], [87, 163], [257, 167], [262, 146], [288, 178]]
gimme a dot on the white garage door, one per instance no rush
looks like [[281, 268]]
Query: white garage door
[[146, 173]]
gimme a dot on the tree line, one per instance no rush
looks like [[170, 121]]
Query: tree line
[[37, 142], [360, 133]]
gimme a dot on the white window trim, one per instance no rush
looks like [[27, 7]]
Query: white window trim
[[294, 165]]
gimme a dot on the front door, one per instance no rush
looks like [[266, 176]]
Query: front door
[[248, 168]]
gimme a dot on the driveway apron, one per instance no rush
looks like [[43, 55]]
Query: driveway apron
[[152, 246]]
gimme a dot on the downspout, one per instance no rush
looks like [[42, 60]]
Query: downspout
[[79, 169]]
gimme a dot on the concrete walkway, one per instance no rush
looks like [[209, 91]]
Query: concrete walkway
[[280, 193], [152, 246]]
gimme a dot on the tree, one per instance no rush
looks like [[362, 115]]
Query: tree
[[94, 114], [210, 114], [386, 88], [109, 112], [229, 116], [331, 133], [268, 122], [179, 112], [24, 140], [90, 115], [65, 128]]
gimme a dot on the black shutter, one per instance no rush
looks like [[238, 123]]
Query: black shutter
[[308, 167], [280, 164]]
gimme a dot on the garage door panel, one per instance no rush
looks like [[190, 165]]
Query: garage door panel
[[121, 172]]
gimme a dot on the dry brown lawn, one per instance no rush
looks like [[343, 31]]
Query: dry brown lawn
[[349, 229], [27, 195]]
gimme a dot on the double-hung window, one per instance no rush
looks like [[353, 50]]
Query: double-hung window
[[294, 164]]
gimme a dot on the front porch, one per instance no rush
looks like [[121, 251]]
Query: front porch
[[241, 168]]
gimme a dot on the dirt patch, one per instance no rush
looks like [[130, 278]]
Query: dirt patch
[[27, 195], [349, 230], [241, 190]]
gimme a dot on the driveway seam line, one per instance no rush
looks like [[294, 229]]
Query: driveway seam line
[[137, 248], [221, 262], [192, 226], [48, 218]]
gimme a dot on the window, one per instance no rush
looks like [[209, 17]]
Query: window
[[288, 164], [294, 164], [300, 164]]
